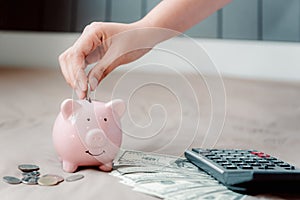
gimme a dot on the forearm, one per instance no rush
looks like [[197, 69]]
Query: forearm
[[180, 15]]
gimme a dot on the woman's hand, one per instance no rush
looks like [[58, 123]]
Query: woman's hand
[[107, 44]]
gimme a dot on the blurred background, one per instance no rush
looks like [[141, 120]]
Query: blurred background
[[249, 38], [277, 20]]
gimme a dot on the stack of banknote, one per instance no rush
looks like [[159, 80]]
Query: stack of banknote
[[168, 177]]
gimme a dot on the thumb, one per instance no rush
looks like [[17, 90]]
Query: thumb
[[101, 70]]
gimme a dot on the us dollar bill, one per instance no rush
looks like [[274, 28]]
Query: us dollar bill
[[165, 188], [144, 178], [139, 158], [168, 177], [215, 193]]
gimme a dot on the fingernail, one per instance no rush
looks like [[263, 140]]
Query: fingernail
[[93, 83]]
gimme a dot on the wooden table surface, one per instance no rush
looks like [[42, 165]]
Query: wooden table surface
[[183, 113]]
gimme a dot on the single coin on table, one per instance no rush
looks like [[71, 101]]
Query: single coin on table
[[28, 167], [47, 180], [59, 178], [75, 177], [11, 180]]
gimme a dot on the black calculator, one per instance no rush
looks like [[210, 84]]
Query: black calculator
[[247, 171]]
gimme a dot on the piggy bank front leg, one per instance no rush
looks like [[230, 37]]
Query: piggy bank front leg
[[107, 167], [69, 167]]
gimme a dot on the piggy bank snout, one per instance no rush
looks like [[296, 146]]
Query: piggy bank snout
[[95, 138]]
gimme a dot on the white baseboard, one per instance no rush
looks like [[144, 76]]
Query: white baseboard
[[33, 49]]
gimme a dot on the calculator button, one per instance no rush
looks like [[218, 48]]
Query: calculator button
[[260, 154], [242, 164], [217, 151], [254, 152], [235, 155], [262, 161], [284, 165], [236, 161], [270, 165], [226, 164], [213, 157], [278, 162], [255, 164], [230, 151], [265, 167], [229, 157], [213, 149], [250, 161], [246, 167], [206, 153], [223, 154], [221, 161], [271, 158], [230, 167]]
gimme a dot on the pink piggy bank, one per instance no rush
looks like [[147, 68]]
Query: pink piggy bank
[[88, 133]]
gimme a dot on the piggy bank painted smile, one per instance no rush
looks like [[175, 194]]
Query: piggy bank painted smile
[[88, 133]]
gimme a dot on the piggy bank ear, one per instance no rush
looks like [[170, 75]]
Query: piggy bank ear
[[117, 105], [68, 107]]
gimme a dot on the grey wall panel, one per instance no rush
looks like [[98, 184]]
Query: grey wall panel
[[208, 28], [277, 20], [281, 20], [151, 4], [89, 11], [126, 10], [240, 20]]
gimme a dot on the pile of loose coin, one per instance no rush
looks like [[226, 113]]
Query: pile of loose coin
[[31, 176]]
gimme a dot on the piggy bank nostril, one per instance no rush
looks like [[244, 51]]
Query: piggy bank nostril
[[105, 119], [95, 138]]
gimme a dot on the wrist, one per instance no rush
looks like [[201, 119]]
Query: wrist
[[142, 23], [155, 33]]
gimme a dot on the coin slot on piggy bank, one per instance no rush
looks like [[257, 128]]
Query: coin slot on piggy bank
[[88, 133]]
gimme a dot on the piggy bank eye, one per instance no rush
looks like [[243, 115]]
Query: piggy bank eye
[[105, 119], [88, 119]]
